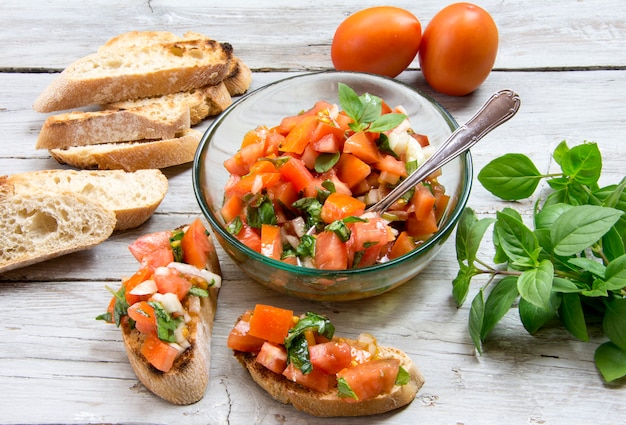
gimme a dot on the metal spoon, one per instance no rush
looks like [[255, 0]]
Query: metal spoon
[[499, 108]]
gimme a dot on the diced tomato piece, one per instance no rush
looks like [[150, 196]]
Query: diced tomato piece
[[233, 207], [330, 357], [157, 258], [402, 245], [271, 323], [253, 183], [239, 164], [339, 206], [272, 143], [294, 171], [328, 143], [423, 202], [343, 121], [240, 339], [273, 357], [271, 245], [351, 170], [373, 232], [197, 247], [160, 354], [367, 257], [300, 136], [391, 165], [141, 275], [422, 139], [284, 193], [256, 136], [422, 229], [372, 378], [144, 316], [169, 281], [235, 166], [330, 252], [249, 237], [145, 244], [315, 380], [362, 145], [309, 156]]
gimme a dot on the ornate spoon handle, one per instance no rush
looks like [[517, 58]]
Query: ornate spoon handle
[[499, 108]]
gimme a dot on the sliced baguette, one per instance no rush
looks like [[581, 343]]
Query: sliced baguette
[[148, 121], [330, 404], [187, 380], [139, 70], [37, 227], [201, 102], [133, 197], [239, 78], [132, 156]]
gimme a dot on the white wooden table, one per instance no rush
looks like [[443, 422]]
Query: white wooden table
[[566, 59]]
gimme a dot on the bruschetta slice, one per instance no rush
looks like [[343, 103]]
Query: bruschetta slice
[[166, 311], [299, 361]]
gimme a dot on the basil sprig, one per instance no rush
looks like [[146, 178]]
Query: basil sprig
[[296, 342], [573, 257], [366, 111]]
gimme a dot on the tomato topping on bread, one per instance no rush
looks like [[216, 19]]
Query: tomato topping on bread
[[299, 360]]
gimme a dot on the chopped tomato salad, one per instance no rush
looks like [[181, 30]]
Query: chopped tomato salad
[[310, 355], [298, 191], [162, 298]]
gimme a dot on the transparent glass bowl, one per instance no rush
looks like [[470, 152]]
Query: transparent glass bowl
[[267, 106]]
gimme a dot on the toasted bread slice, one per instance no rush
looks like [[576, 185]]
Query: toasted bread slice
[[132, 156], [36, 226], [137, 70], [239, 78], [330, 404], [186, 383], [187, 380], [148, 121], [133, 197], [202, 102]]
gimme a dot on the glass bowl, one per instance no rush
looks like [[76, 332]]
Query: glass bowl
[[267, 106]]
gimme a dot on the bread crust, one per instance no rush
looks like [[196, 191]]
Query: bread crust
[[133, 197], [188, 379], [91, 128], [330, 404], [188, 64], [132, 156]]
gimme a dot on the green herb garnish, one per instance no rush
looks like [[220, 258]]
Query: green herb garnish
[[120, 309], [366, 111], [570, 265], [296, 343]]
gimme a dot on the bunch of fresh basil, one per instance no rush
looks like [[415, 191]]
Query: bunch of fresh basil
[[570, 264]]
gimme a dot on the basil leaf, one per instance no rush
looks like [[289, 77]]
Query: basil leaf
[[306, 247], [516, 240], [198, 292], [403, 377], [386, 122], [350, 102], [177, 245], [580, 227], [535, 285], [614, 322], [461, 283], [326, 161], [560, 284], [340, 229], [235, 226], [372, 107], [470, 232], [510, 177], [384, 147], [611, 361], [296, 343], [166, 325], [261, 212], [583, 164], [616, 274], [589, 265], [533, 317], [476, 318], [120, 308], [345, 390], [545, 218], [311, 209], [559, 153], [498, 303], [573, 317]]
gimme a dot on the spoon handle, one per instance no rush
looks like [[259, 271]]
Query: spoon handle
[[499, 108]]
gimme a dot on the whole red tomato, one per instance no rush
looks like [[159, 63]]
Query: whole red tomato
[[458, 49], [380, 40]]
